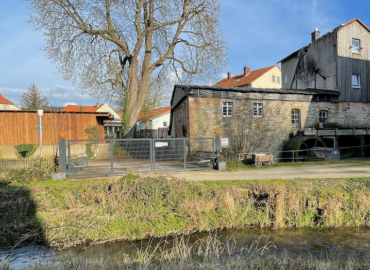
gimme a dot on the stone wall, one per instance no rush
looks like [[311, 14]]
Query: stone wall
[[257, 134]]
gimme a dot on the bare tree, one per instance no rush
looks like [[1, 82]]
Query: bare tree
[[33, 99], [121, 43]]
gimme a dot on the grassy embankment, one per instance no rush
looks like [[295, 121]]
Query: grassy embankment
[[70, 212]]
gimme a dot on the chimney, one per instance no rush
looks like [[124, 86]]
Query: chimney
[[247, 70], [229, 75], [315, 35]]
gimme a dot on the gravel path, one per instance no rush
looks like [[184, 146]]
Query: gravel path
[[344, 170]]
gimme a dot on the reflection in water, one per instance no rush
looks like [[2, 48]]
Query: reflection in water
[[345, 242]]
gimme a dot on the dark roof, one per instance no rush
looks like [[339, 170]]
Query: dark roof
[[336, 28], [240, 80], [308, 91]]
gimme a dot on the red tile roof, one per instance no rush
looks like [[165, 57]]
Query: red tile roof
[[79, 108], [4, 100], [241, 80], [155, 113]]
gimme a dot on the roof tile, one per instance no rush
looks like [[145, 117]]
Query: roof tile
[[241, 80], [154, 113], [3, 100]]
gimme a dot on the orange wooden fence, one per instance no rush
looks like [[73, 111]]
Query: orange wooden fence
[[20, 127]]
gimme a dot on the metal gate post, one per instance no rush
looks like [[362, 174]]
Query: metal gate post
[[184, 155], [111, 156], [293, 155], [62, 155], [69, 158], [153, 154]]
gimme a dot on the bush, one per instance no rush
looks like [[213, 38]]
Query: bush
[[25, 150], [39, 172]]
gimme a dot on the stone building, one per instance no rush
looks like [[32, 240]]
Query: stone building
[[325, 96]]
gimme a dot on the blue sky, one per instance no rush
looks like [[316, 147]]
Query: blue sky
[[258, 33]]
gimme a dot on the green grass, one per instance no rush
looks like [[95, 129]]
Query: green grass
[[235, 165], [70, 212]]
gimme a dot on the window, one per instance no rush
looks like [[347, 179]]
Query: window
[[356, 46], [285, 78], [227, 109], [278, 79], [165, 124], [6, 107], [273, 78], [323, 118], [296, 118], [257, 109], [356, 80]]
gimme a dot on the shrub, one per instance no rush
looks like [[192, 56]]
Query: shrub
[[93, 132], [25, 150], [39, 172]]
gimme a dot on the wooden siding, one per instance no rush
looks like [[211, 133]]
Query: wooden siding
[[346, 34], [347, 67], [21, 127]]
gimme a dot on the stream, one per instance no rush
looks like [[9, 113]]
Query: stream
[[345, 242]]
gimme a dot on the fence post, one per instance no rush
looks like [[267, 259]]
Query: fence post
[[362, 146], [62, 155], [293, 155], [184, 154], [69, 158], [111, 156]]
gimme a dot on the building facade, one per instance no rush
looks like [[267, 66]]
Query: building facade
[[7, 105], [269, 77]]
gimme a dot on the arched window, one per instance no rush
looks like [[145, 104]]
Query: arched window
[[296, 118]]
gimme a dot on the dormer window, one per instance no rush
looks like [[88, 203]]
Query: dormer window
[[356, 80], [356, 46]]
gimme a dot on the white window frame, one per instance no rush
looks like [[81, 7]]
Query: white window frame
[[285, 78], [227, 105], [258, 109], [296, 118], [273, 78], [278, 79], [358, 78], [356, 49], [165, 123], [6, 107]]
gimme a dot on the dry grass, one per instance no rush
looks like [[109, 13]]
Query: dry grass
[[131, 208], [208, 254]]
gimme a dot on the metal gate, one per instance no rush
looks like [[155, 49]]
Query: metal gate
[[120, 156]]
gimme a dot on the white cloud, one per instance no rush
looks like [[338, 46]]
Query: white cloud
[[70, 103]]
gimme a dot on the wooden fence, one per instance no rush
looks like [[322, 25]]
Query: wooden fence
[[152, 133], [24, 163]]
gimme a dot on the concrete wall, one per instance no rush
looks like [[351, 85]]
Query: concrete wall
[[265, 81], [288, 67], [272, 129]]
